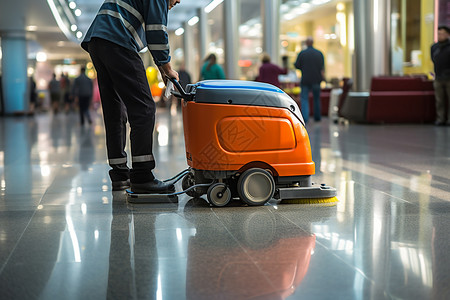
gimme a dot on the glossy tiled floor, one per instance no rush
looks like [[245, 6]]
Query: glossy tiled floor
[[65, 235]]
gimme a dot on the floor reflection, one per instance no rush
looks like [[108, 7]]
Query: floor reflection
[[65, 235]]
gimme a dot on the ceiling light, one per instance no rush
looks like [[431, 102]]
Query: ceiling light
[[305, 5], [78, 12], [73, 27], [72, 5], [193, 21], [289, 16], [79, 34], [319, 2], [31, 28], [179, 31], [59, 21], [213, 4], [41, 57]]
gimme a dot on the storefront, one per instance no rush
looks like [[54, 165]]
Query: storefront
[[329, 24], [407, 34]]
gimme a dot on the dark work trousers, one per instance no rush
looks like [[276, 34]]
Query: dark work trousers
[[84, 108], [125, 92]]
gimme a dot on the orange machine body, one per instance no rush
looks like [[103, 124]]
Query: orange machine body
[[222, 137]]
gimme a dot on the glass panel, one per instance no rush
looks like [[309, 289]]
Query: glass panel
[[250, 39], [216, 32]]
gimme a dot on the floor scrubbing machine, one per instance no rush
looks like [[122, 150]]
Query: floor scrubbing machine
[[246, 140]]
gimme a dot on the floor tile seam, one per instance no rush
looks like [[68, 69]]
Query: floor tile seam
[[407, 171], [290, 221], [382, 175], [423, 246], [360, 271], [385, 193], [400, 199], [17, 243], [393, 148], [244, 250]]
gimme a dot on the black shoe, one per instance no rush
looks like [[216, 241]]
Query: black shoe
[[153, 187], [120, 185], [439, 123]]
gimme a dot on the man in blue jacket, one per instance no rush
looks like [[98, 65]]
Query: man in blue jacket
[[311, 62], [121, 29], [440, 54]]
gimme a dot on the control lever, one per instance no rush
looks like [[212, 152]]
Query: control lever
[[181, 93]]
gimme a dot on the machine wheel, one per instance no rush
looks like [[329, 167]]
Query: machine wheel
[[219, 194], [256, 186], [187, 182]]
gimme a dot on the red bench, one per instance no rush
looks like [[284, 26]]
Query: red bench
[[401, 100]]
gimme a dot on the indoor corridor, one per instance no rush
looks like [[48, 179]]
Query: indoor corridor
[[65, 235]]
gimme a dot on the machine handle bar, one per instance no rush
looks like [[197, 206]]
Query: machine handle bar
[[181, 93]]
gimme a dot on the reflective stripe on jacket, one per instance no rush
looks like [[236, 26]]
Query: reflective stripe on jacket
[[133, 24]]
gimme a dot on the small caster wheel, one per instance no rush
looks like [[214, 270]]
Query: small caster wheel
[[219, 194], [189, 181], [256, 186]]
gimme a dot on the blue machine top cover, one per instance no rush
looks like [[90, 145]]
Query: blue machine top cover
[[237, 84], [240, 92]]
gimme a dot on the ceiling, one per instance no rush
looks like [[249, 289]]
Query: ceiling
[[43, 33]]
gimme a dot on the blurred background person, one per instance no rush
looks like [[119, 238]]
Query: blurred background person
[[269, 72], [211, 69], [33, 96], [82, 92], [312, 65], [185, 77], [66, 92], [440, 54], [54, 88]]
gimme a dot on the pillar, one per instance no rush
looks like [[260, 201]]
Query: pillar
[[231, 20], [14, 72], [203, 33], [188, 42], [271, 29], [372, 42]]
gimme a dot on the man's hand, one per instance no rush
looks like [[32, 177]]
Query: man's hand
[[167, 71]]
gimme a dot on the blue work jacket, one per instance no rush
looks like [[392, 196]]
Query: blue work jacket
[[133, 24]]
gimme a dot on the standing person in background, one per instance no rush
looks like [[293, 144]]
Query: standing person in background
[[312, 65], [82, 92], [440, 54], [185, 77], [118, 33], [33, 96], [269, 72], [66, 92], [54, 88], [211, 70]]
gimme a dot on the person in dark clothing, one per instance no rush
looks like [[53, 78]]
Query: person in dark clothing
[[66, 92], [118, 33], [54, 88], [440, 54], [33, 96], [185, 77], [311, 63], [82, 91], [269, 72]]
